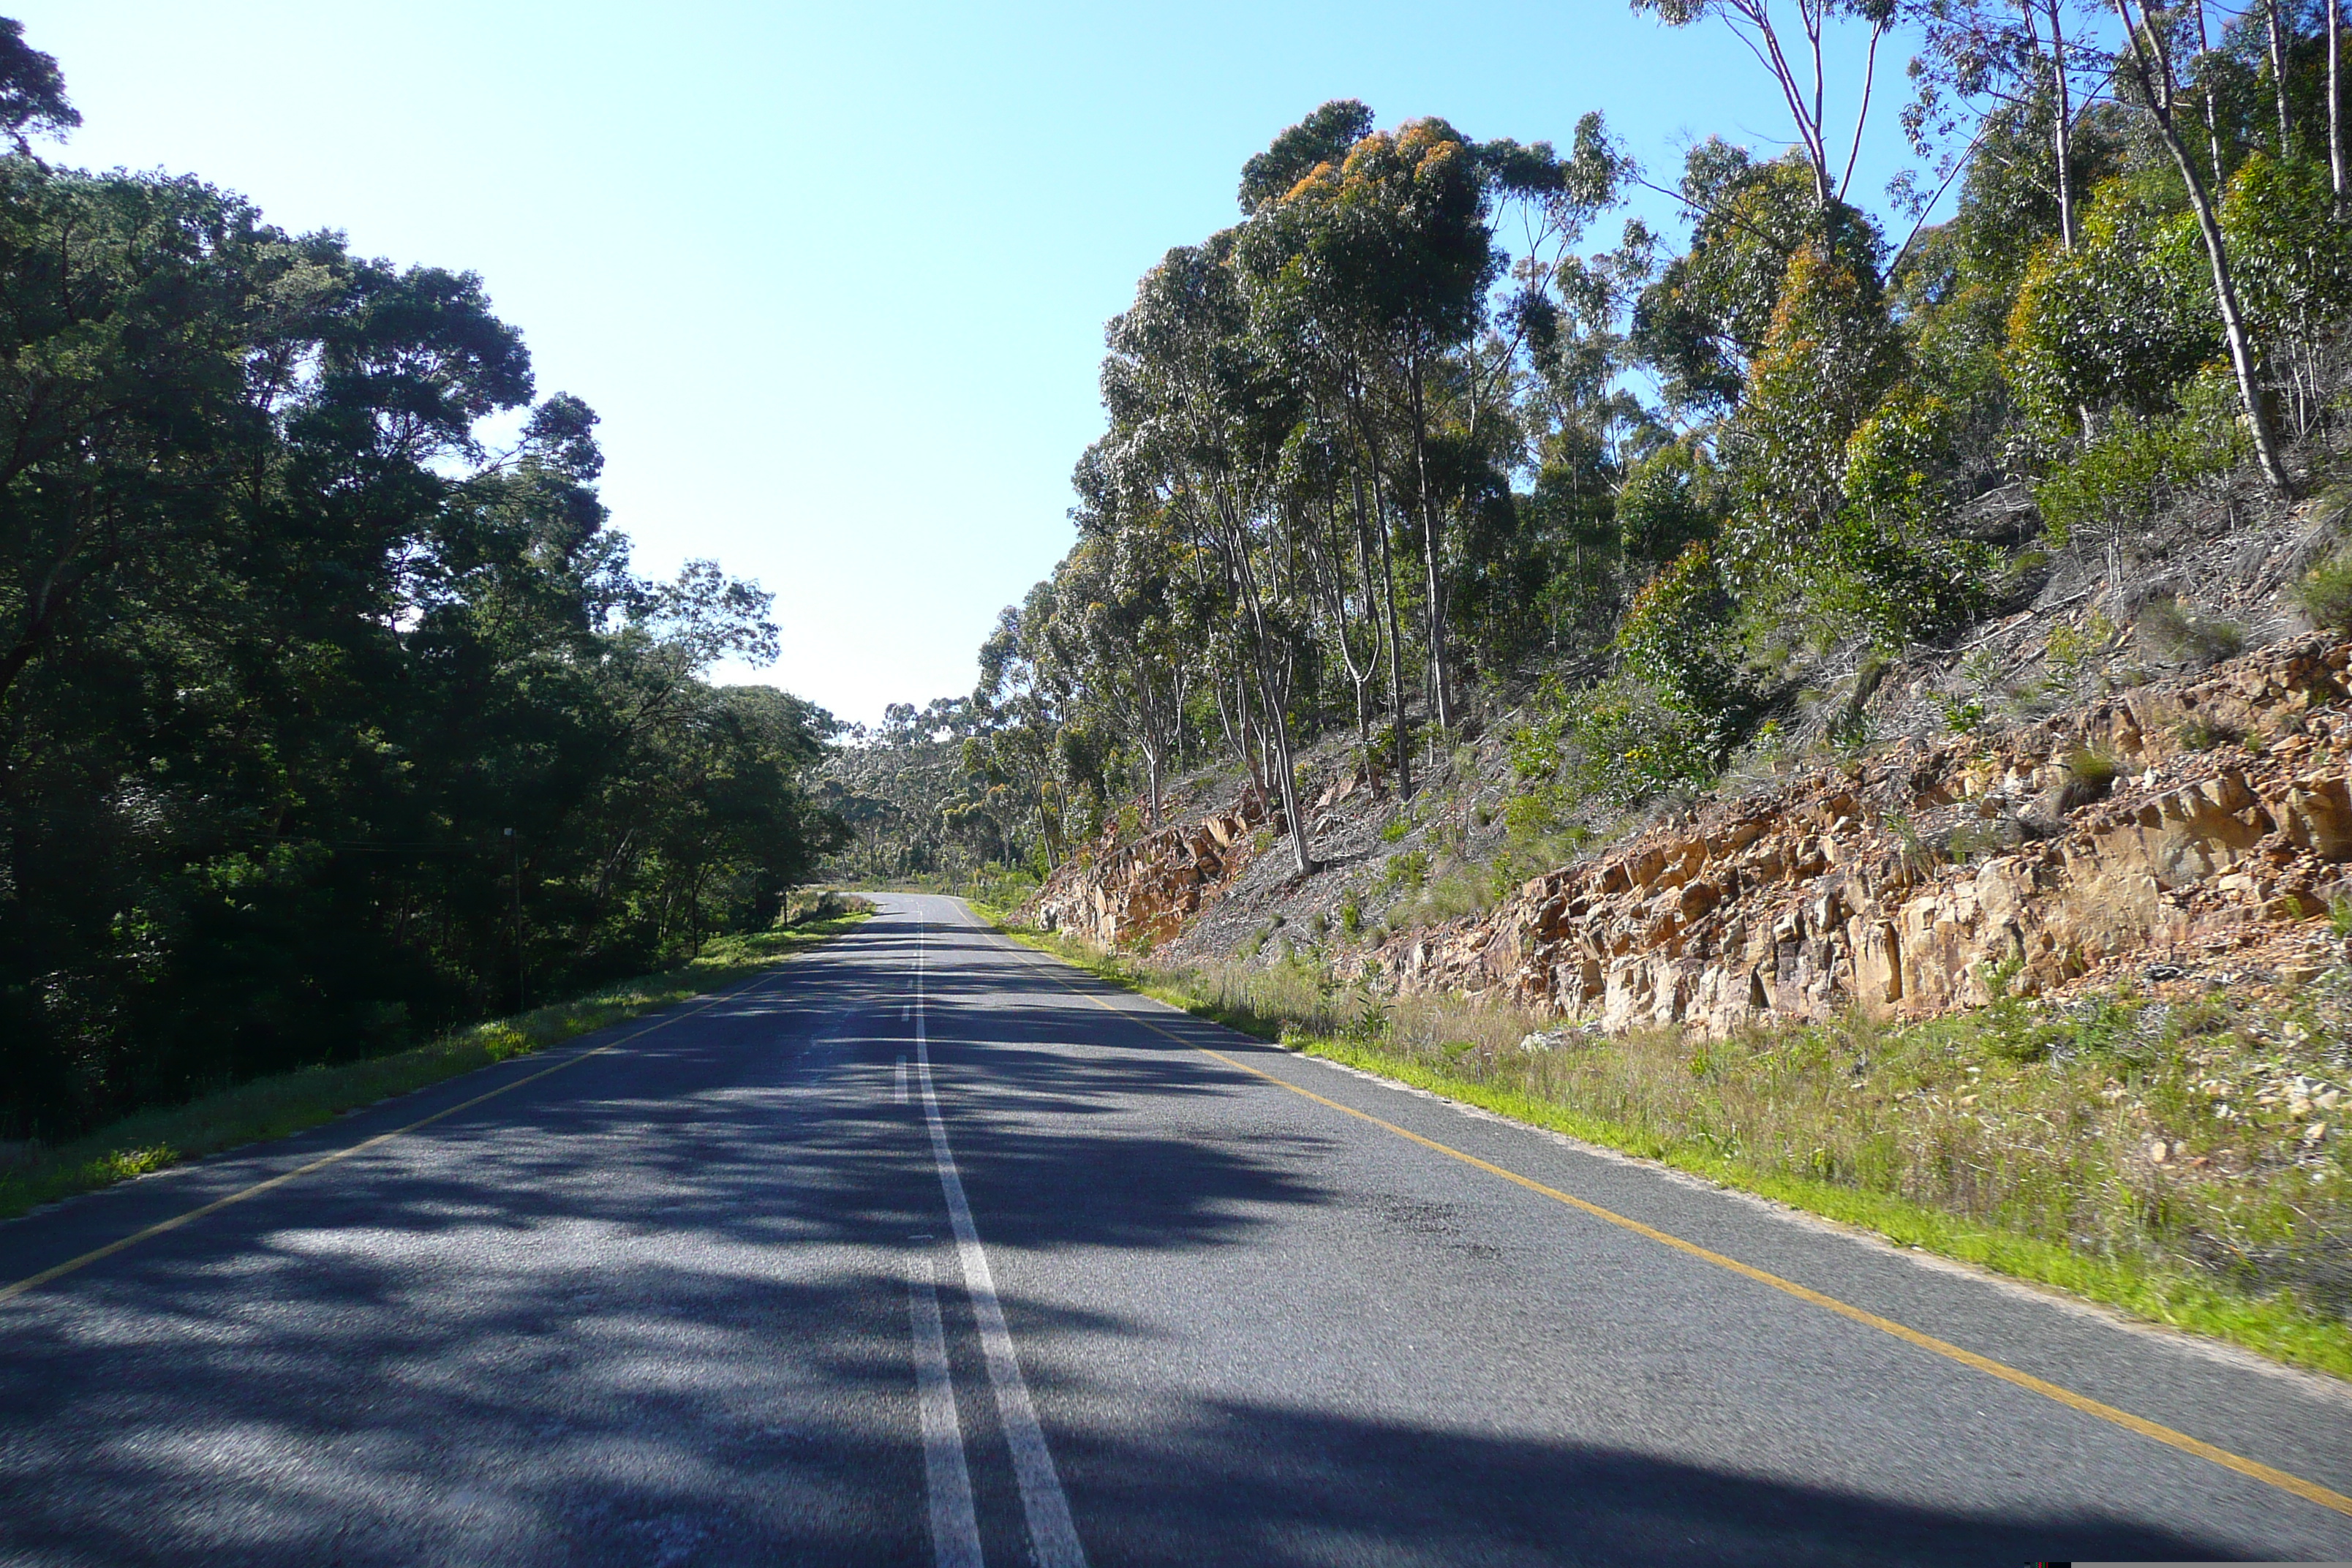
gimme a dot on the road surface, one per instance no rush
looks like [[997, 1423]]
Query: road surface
[[925, 1247]]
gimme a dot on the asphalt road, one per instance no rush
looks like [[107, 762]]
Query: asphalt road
[[925, 1247]]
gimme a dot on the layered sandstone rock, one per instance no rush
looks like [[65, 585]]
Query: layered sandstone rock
[[1113, 893], [1905, 883]]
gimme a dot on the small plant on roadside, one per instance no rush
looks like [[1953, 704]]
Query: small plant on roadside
[[2199, 733], [2072, 648]]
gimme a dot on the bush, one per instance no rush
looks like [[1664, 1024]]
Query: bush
[[1408, 870], [2187, 637], [2116, 482], [2090, 775], [2326, 594], [1666, 503], [1674, 638], [1626, 746]]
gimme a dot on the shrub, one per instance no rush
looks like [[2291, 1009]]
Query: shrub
[[1674, 638], [1666, 503], [2187, 637], [2119, 481], [2325, 593], [2118, 321], [2072, 647], [1626, 746], [1408, 870], [1961, 717], [2202, 734], [2090, 775]]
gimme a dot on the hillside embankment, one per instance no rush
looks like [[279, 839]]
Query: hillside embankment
[[2167, 830]]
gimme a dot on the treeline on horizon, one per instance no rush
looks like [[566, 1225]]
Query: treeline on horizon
[[1368, 471], [325, 724]]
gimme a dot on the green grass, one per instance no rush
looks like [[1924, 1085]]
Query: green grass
[[1865, 1125], [284, 1103]]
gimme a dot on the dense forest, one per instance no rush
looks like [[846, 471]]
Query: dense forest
[[1404, 450], [325, 720]]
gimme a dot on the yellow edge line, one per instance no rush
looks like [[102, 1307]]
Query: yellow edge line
[[2311, 1491], [34, 1281]]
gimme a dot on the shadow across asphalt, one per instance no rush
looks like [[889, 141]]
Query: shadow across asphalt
[[659, 1316]]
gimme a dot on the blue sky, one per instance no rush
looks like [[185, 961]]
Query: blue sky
[[836, 276]]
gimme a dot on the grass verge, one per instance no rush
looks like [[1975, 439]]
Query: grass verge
[[284, 1103], [2291, 1325]]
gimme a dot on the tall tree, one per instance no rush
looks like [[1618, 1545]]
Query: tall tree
[[2149, 59]]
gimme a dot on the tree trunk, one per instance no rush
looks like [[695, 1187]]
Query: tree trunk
[[2154, 69], [1442, 703], [2335, 114], [2062, 136], [1402, 753], [1276, 730], [2278, 77]]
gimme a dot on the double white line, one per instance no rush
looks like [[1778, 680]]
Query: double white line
[[955, 1528]]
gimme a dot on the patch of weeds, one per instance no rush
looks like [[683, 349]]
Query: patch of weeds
[[1981, 668], [1918, 858], [2197, 733], [2090, 777], [2072, 648], [2325, 594], [2185, 637], [1352, 918], [1968, 840], [1962, 717], [1393, 830], [1408, 870]]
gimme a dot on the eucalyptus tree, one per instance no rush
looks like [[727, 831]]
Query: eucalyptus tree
[[1198, 415], [1381, 263], [2148, 61], [1798, 63], [2030, 60]]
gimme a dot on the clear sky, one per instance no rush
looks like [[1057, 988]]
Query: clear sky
[[836, 276]]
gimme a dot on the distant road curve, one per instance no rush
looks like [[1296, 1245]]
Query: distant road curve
[[926, 1248]]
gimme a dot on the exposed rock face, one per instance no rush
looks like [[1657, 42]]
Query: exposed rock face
[[1116, 892], [1902, 883]]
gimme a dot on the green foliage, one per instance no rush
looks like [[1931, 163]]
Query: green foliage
[[2325, 593], [1673, 638], [1962, 716], [2185, 636], [281, 758], [2115, 481], [2118, 322], [1625, 746], [1668, 501], [2072, 648], [1407, 869]]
